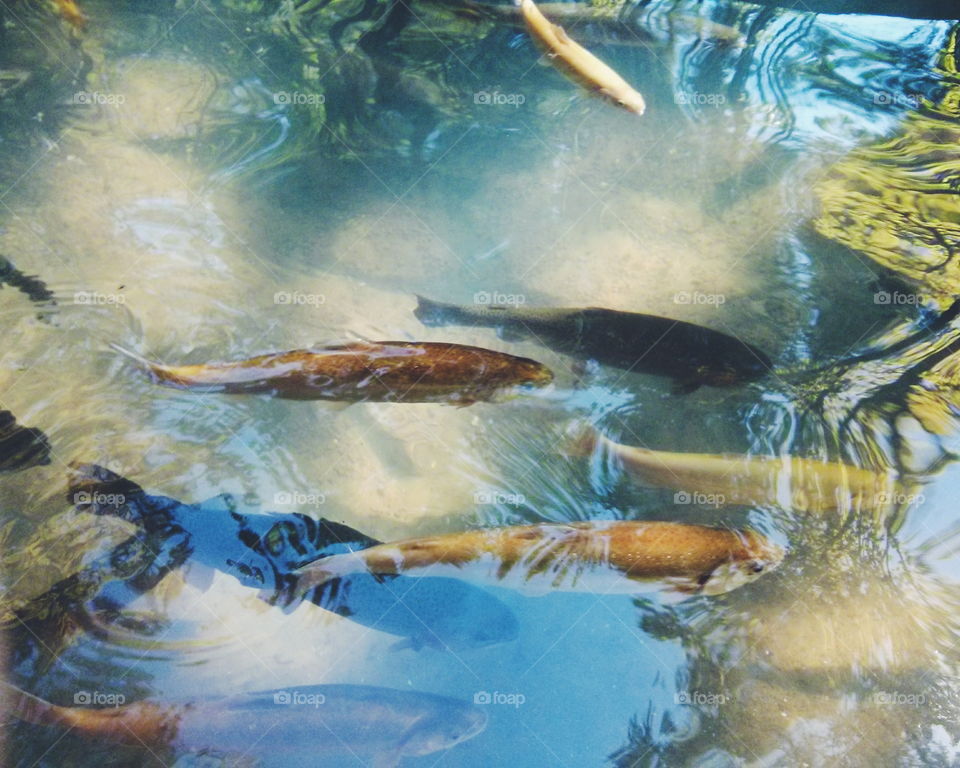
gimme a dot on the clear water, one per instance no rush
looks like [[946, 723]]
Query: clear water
[[207, 181]]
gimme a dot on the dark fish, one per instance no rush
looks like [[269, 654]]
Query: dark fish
[[30, 285], [21, 447], [263, 550], [382, 725], [385, 371], [689, 354]]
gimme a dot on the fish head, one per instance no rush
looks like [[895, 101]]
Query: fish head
[[529, 374], [471, 618], [628, 99], [755, 557], [742, 362], [442, 730]]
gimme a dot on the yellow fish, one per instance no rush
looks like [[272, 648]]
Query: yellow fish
[[804, 485], [577, 63]]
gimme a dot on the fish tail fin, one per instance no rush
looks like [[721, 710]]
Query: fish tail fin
[[434, 313], [580, 439], [27, 707], [314, 575], [136, 357], [300, 583], [92, 488], [156, 370]]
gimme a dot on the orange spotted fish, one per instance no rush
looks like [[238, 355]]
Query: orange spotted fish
[[610, 556], [376, 371]]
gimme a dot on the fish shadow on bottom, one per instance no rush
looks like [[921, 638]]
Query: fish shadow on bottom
[[261, 551]]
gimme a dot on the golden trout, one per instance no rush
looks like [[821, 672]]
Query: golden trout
[[357, 723], [577, 63], [804, 485], [382, 371], [70, 11], [606, 25], [603, 557]]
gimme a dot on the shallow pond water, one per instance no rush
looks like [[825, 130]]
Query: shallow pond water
[[203, 181]]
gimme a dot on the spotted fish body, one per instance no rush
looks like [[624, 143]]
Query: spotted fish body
[[623, 557], [387, 371], [352, 721]]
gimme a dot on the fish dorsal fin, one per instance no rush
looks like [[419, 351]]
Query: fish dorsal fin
[[561, 34], [386, 760], [222, 503]]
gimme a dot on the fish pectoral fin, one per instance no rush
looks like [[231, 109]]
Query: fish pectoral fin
[[386, 760], [199, 576], [562, 35], [684, 386], [507, 333], [407, 643], [677, 589]]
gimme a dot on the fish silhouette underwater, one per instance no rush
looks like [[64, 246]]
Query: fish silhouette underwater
[[21, 447], [335, 725], [691, 355]]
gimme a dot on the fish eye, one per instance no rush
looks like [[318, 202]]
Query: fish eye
[[757, 567]]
